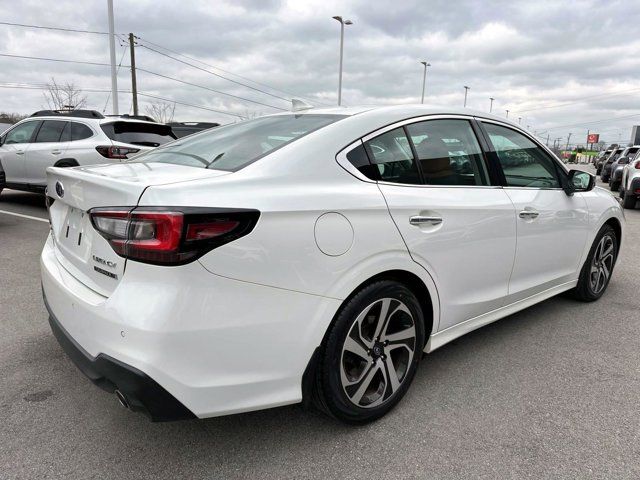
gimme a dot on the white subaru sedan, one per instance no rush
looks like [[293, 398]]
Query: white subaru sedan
[[312, 256]]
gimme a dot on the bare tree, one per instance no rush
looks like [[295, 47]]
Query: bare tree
[[161, 111], [64, 96]]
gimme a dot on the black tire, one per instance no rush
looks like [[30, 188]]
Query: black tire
[[615, 185], [629, 200], [340, 371], [585, 290]]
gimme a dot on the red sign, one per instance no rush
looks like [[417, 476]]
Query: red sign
[[593, 138]]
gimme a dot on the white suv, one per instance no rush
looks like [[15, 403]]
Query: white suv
[[630, 187], [68, 139]]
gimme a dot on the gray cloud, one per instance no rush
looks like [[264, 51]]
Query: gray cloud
[[526, 54]]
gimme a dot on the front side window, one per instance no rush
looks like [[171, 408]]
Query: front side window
[[50, 131], [523, 162], [234, 146], [390, 154], [448, 152], [22, 133]]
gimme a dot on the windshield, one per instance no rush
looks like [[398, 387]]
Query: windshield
[[234, 146]]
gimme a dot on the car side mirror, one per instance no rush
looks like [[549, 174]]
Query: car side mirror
[[579, 181]]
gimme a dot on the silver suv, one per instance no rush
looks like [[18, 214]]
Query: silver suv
[[68, 139]]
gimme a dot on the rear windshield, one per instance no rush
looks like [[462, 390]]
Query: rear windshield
[[146, 134], [234, 146]]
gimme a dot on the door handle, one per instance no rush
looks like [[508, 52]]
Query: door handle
[[20, 152], [56, 152], [528, 214], [420, 220]]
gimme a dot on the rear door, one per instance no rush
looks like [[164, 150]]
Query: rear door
[[82, 145], [14, 148], [49, 146], [552, 226], [457, 225]]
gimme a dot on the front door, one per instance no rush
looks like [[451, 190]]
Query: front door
[[13, 151], [454, 223], [552, 226]]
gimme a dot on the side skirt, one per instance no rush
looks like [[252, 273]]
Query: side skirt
[[443, 337]]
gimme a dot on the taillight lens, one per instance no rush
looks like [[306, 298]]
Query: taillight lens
[[637, 165], [116, 153], [170, 236]]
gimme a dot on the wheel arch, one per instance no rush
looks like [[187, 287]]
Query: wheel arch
[[66, 162], [614, 223]]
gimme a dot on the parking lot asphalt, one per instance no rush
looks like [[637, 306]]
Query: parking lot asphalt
[[550, 392]]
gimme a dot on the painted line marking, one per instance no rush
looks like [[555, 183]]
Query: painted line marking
[[25, 216]]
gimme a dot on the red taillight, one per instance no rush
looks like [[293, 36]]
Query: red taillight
[[170, 236], [637, 165], [116, 153]]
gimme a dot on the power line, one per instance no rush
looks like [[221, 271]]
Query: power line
[[580, 100], [142, 70], [124, 51], [209, 89], [225, 71], [60, 29], [216, 74], [80, 62]]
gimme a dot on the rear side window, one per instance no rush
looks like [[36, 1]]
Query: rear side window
[[138, 133], [391, 154], [51, 131], [448, 152], [80, 131], [234, 146], [523, 162]]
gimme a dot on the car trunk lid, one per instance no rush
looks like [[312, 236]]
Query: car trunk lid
[[72, 192]]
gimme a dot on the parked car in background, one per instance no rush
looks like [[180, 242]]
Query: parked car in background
[[600, 159], [69, 139], [3, 182], [606, 165], [615, 176], [313, 254], [630, 183], [4, 127], [182, 129]]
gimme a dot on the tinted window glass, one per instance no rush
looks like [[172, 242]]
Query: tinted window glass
[[523, 162], [391, 155], [359, 159], [448, 152], [147, 134], [50, 131], [234, 146], [80, 131], [65, 136], [22, 133]]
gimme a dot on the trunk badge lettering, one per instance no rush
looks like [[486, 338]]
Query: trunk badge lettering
[[59, 189], [102, 261]]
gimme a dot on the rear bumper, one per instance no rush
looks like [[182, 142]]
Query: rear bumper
[[214, 345], [142, 393]]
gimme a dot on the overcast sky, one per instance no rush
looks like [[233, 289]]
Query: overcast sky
[[540, 59]]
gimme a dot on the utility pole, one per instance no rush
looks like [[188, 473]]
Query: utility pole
[[547, 139], [491, 104], [568, 139], [134, 84], [466, 90], [112, 56], [424, 78]]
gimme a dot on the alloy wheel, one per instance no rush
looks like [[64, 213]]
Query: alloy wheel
[[378, 352], [602, 264]]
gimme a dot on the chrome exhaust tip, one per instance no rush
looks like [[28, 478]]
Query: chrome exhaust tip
[[122, 400]]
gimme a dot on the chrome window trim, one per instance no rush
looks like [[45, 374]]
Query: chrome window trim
[[341, 156]]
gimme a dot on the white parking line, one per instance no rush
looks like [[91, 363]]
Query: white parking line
[[25, 216]]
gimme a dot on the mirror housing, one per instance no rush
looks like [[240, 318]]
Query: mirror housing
[[579, 181]]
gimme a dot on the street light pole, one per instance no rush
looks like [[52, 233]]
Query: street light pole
[[112, 57], [519, 120], [424, 78], [507, 113], [342, 24], [466, 90], [491, 104]]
